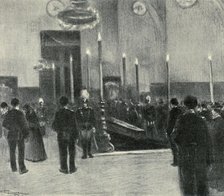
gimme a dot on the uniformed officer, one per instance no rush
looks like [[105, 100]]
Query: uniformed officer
[[86, 124], [149, 115]]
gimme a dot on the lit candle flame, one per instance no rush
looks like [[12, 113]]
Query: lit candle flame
[[124, 55], [209, 57], [167, 58], [99, 37], [53, 66], [88, 52], [136, 61]]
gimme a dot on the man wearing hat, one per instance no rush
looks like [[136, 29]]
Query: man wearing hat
[[174, 113], [86, 124], [194, 147], [17, 126], [65, 126]]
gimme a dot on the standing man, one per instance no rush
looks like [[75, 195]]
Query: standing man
[[175, 112], [194, 145], [161, 118], [17, 126], [86, 124], [65, 126], [149, 115]]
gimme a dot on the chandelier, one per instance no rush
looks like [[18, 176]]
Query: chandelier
[[78, 16]]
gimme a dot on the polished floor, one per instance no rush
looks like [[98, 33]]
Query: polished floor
[[115, 174]]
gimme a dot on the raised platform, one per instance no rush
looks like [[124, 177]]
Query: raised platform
[[129, 137]]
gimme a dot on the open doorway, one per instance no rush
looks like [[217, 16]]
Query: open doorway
[[59, 47]]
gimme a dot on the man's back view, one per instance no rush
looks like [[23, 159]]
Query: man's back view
[[17, 126], [194, 146]]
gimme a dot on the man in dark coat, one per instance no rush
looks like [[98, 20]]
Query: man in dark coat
[[161, 118], [65, 126], [149, 116], [86, 124], [175, 112], [17, 126], [217, 136], [195, 154]]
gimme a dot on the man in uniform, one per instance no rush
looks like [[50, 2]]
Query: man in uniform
[[175, 112], [86, 124], [149, 115], [17, 126], [65, 126], [194, 146]]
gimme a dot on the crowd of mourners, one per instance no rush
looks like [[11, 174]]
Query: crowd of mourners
[[141, 114], [194, 130], [24, 128], [196, 135]]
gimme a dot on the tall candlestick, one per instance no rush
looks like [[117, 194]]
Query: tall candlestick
[[54, 82], [124, 69], [62, 73], [72, 79], [137, 77], [168, 78], [124, 74], [103, 137], [88, 69], [100, 65], [211, 83]]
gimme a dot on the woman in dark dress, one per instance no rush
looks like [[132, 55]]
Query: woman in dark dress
[[34, 150]]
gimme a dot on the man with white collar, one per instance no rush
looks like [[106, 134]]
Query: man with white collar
[[17, 126], [86, 124], [195, 150]]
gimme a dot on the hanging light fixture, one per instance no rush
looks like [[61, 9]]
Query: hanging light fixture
[[78, 16]]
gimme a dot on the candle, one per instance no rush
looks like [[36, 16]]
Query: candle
[[124, 69], [211, 79], [88, 69], [168, 79], [209, 57], [167, 58], [100, 65], [137, 77], [53, 66], [72, 79], [124, 74], [136, 61], [99, 37], [54, 82]]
